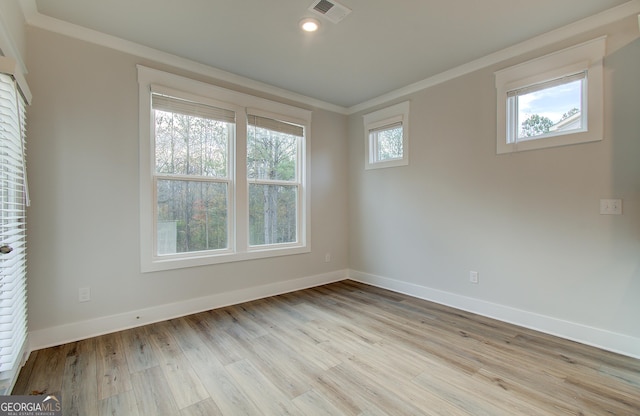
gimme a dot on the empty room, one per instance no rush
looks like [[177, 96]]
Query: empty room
[[320, 207]]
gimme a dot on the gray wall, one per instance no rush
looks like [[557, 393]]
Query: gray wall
[[14, 42], [83, 171], [528, 222]]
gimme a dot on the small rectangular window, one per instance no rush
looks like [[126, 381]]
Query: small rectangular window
[[386, 137], [554, 100], [547, 109]]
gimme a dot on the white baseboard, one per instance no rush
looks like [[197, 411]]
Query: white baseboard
[[75, 331], [606, 340], [596, 337]]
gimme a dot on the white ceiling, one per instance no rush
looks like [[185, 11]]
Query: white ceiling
[[381, 46]]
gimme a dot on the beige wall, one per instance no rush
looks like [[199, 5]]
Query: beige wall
[[83, 171], [528, 222]]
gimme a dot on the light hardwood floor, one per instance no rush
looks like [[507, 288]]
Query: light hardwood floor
[[340, 349]]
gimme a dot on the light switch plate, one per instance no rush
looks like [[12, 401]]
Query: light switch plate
[[84, 294], [611, 206]]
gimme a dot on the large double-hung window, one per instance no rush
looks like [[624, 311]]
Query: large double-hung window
[[222, 174], [274, 151], [192, 180]]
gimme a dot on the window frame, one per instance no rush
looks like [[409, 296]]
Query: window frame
[[378, 121], [298, 182], [585, 57], [152, 80], [228, 180]]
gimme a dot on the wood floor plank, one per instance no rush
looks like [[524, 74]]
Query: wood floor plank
[[22, 382], [283, 366], [140, 355], [152, 392], [288, 308], [383, 374], [183, 381], [80, 382], [474, 397], [203, 408], [264, 394], [112, 369], [441, 344], [340, 349], [222, 389], [370, 391], [47, 371], [119, 405], [241, 317], [312, 403], [610, 399], [211, 328], [310, 350], [340, 393]]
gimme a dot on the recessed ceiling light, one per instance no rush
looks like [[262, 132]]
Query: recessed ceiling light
[[309, 25]]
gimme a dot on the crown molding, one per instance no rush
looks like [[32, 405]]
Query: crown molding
[[36, 19], [593, 22]]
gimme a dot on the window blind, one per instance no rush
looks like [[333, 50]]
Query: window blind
[[386, 127], [548, 84], [276, 125], [13, 189], [190, 108]]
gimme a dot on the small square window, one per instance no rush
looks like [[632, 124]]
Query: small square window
[[386, 143], [386, 137]]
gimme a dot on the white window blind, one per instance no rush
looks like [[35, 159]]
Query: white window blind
[[548, 84], [275, 125], [13, 188], [191, 108]]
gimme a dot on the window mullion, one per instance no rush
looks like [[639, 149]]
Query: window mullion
[[192, 178], [241, 198], [277, 182]]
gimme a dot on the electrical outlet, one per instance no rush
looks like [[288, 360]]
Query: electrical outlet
[[473, 277], [84, 294], [327, 257]]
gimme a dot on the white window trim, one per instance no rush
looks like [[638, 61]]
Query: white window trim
[[386, 117], [587, 56], [239, 240]]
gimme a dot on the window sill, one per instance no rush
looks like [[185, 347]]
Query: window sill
[[172, 263]]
